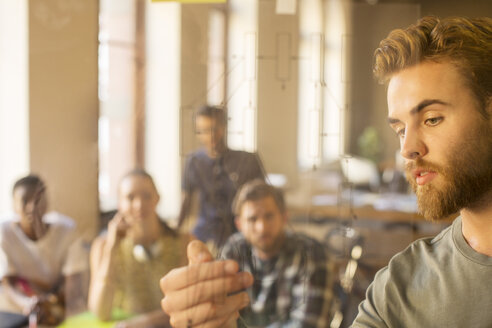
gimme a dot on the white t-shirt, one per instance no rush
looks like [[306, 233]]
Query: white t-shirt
[[58, 253]]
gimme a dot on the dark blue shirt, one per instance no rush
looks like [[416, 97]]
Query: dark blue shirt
[[217, 181]]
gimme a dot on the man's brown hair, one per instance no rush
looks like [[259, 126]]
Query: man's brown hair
[[139, 172], [32, 184], [255, 190], [465, 42], [213, 112]]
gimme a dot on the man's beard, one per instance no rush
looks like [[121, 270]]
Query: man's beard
[[273, 246], [466, 177]]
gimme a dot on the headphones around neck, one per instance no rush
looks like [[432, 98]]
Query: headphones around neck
[[144, 254]]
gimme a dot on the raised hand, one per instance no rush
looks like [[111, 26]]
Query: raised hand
[[117, 229], [206, 293]]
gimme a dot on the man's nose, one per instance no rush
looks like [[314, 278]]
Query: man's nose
[[137, 203], [260, 225], [412, 145]]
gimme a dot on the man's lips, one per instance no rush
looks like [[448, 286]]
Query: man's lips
[[423, 176], [263, 239]]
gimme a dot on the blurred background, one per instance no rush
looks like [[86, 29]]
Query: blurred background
[[92, 88]]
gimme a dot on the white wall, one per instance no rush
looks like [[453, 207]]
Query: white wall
[[64, 106], [324, 85], [49, 103], [14, 143], [162, 153], [242, 76], [278, 36]]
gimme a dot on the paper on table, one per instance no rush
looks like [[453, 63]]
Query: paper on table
[[396, 202], [286, 7]]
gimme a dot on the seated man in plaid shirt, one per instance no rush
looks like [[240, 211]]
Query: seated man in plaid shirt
[[291, 272], [277, 278]]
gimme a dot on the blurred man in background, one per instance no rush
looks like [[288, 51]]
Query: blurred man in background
[[216, 172], [292, 274]]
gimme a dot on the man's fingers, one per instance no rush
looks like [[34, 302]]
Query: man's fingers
[[117, 217], [198, 252], [116, 221], [198, 292], [225, 322], [117, 227], [205, 291], [206, 312], [186, 276]]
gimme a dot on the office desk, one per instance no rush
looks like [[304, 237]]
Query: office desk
[[389, 208], [320, 212], [385, 231]]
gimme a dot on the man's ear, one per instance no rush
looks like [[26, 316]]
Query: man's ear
[[18, 208], [488, 111], [237, 222], [488, 107], [19, 204], [285, 217]]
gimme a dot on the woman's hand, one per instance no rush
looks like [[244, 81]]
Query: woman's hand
[[117, 229]]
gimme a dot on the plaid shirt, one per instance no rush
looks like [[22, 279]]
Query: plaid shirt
[[291, 290]]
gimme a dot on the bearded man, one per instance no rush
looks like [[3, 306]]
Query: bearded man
[[292, 274], [440, 106]]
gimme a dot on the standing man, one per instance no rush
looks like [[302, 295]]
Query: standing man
[[216, 172], [292, 273], [440, 106]]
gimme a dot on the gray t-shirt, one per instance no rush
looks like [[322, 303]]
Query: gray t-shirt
[[435, 282]]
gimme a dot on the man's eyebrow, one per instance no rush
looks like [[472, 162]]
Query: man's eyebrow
[[393, 120], [425, 103], [419, 108], [39, 190]]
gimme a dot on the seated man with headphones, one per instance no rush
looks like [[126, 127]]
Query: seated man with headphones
[[129, 259]]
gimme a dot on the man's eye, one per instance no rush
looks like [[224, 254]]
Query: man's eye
[[400, 132], [433, 121], [205, 131]]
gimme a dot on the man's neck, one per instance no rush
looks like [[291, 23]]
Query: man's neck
[[477, 225], [217, 152], [266, 256], [30, 232]]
